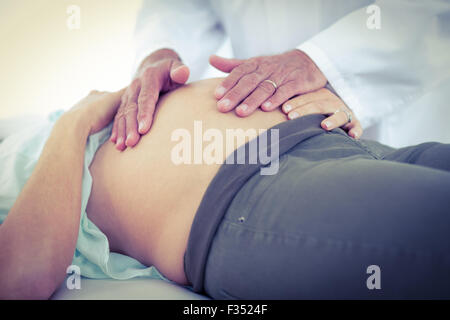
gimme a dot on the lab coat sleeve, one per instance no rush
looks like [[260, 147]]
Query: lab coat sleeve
[[378, 71], [190, 28]]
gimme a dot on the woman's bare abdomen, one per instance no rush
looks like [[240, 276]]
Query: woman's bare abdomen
[[143, 198]]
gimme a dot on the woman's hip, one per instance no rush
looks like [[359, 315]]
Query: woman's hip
[[314, 229]]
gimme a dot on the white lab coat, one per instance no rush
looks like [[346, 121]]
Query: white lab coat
[[395, 78]]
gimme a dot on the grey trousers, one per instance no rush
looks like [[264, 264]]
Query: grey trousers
[[342, 219]]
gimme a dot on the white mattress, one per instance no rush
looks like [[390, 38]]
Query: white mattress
[[134, 289]]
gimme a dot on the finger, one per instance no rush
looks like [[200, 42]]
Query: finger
[[147, 100], [233, 78], [326, 107], [113, 137], [224, 64], [129, 112], [240, 91], [121, 129], [303, 99], [132, 135], [281, 95], [307, 109], [255, 99], [179, 73], [114, 132], [356, 131], [336, 120]]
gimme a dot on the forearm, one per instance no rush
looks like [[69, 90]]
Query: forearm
[[39, 235]]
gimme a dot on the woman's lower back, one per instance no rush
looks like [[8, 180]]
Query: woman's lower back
[[144, 199]]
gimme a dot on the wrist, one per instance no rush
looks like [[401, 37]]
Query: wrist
[[157, 56], [317, 75], [74, 123], [163, 54]]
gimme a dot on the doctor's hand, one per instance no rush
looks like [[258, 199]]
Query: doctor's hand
[[266, 81], [160, 72], [323, 101]]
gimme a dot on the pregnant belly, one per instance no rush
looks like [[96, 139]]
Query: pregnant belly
[[144, 199]]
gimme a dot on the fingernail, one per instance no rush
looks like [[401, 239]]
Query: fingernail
[[141, 125], [220, 91], [128, 138], [328, 124], [267, 104], [293, 115], [177, 68], [287, 108], [355, 135], [224, 103], [243, 107], [119, 141]]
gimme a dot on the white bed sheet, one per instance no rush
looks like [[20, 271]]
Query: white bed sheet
[[134, 289]]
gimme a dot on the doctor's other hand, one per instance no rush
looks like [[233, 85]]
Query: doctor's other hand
[[323, 101], [160, 72], [266, 81]]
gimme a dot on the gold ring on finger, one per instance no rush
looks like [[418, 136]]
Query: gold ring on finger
[[349, 115], [272, 83]]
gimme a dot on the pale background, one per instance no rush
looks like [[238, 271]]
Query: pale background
[[45, 66]]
